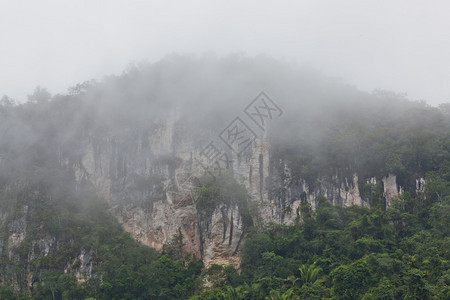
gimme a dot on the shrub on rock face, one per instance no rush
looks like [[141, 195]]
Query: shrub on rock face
[[222, 189]]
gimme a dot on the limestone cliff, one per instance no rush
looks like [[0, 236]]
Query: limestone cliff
[[147, 175]]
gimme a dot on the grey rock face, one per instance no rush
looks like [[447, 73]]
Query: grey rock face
[[145, 176]]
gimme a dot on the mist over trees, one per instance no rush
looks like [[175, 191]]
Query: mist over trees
[[328, 126]]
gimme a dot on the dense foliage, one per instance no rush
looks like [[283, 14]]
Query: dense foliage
[[350, 253], [80, 225], [389, 135]]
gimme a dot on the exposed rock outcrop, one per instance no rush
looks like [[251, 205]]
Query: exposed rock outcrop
[[391, 189], [146, 177], [81, 266]]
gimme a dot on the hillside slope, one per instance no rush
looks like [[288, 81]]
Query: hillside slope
[[154, 151]]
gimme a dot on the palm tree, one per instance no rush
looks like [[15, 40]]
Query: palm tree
[[231, 293], [292, 280], [277, 295], [253, 291], [309, 274]]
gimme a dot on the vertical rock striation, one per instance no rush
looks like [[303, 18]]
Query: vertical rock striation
[[146, 177]]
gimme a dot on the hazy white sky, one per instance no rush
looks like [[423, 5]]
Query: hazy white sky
[[402, 46]]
